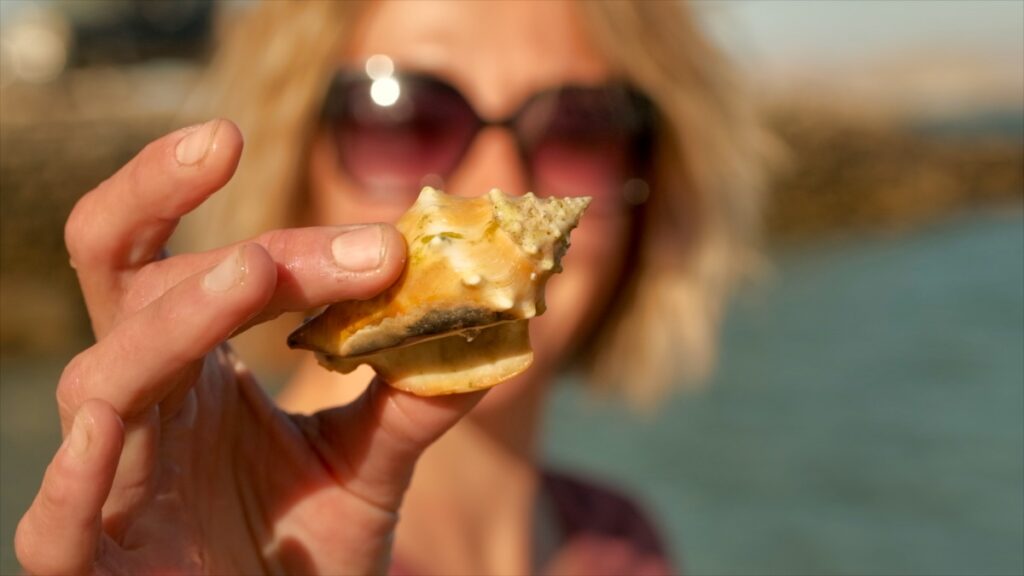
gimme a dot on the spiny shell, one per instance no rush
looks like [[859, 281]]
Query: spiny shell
[[457, 318]]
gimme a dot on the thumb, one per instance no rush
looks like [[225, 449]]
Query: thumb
[[373, 443]]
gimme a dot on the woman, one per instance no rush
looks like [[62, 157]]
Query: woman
[[175, 460]]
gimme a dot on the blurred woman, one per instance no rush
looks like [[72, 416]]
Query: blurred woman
[[175, 459]]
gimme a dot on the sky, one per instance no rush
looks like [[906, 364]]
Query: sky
[[939, 54], [816, 32]]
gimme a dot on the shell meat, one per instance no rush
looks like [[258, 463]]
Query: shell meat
[[457, 318]]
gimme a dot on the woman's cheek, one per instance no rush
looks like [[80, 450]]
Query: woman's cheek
[[577, 297], [568, 298]]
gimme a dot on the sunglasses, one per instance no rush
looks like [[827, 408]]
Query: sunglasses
[[395, 133]]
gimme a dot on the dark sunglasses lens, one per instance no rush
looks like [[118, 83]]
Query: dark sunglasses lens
[[392, 135], [587, 141]]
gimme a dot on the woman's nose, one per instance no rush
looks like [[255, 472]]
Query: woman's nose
[[492, 161]]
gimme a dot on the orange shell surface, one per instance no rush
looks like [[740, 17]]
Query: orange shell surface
[[457, 318]]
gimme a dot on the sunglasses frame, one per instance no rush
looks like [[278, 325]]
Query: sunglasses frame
[[640, 125]]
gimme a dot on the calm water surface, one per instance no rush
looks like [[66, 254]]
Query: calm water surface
[[867, 417]]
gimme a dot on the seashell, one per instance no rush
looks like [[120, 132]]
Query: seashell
[[457, 318]]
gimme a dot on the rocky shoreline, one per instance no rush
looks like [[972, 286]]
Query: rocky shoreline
[[846, 174]]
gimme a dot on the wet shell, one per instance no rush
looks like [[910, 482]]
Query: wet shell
[[457, 318]]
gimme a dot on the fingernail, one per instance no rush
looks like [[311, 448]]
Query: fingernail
[[196, 144], [359, 250], [81, 433], [227, 274]]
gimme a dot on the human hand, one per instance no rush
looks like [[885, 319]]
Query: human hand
[[173, 459]]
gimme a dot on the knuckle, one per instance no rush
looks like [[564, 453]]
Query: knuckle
[[79, 235], [35, 551], [179, 349], [25, 544], [134, 299], [134, 173], [279, 242], [54, 495], [168, 309], [400, 428], [144, 287], [69, 387]]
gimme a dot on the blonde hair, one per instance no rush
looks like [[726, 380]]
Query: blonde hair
[[700, 224]]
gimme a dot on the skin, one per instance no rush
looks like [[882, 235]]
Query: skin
[[174, 460], [497, 55]]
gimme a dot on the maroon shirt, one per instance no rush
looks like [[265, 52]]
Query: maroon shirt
[[588, 530]]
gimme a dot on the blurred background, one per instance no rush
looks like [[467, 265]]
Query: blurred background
[[867, 416]]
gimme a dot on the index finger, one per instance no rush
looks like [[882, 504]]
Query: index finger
[[124, 222]]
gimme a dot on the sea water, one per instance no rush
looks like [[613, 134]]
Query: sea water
[[867, 416]]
